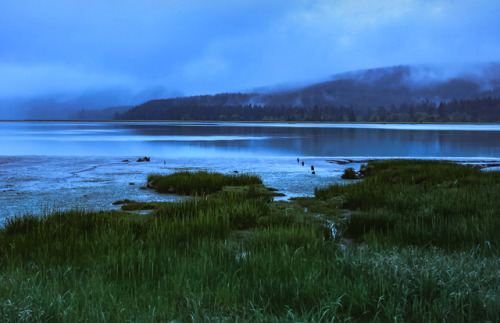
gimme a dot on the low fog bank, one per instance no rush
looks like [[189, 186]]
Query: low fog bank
[[363, 89], [96, 104], [396, 85], [487, 75]]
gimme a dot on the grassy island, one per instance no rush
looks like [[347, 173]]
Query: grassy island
[[426, 248]]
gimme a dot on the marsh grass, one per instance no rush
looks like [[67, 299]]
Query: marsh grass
[[424, 203], [317, 205], [233, 255], [201, 182]]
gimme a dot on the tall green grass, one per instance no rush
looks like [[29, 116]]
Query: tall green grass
[[202, 182], [230, 256], [410, 202], [282, 274]]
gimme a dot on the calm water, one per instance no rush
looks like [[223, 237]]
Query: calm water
[[172, 139], [61, 165]]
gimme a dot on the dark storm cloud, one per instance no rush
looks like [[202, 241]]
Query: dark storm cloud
[[196, 47]]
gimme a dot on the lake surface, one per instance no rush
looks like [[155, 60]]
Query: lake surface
[[48, 166], [174, 139]]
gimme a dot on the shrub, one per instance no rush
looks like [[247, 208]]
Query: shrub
[[349, 173]]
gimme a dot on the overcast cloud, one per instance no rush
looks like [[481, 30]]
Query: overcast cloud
[[198, 47]]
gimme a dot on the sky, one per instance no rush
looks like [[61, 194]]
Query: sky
[[153, 48]]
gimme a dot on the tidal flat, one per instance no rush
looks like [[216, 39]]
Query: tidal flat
[[42, 184], [50, 166], [426, 248]]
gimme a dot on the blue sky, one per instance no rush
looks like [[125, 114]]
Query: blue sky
[[165, 48]]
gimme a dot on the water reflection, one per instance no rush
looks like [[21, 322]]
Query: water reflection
[[180, 139]]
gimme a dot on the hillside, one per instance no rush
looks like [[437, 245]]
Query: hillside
[[99, 114], [394, 86], [368, 95]]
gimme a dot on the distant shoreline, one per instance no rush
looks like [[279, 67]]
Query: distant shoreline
[[257, 122]]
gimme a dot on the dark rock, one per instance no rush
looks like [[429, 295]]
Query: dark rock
[[312, 167], [125, 201], [302, 163], [235, 171], [338, 162], [313, 173], [298, 159], [143, 188], [125, 161], [131, 183], [145, 159]]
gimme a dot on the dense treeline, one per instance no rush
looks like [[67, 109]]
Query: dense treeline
[[479, 110]]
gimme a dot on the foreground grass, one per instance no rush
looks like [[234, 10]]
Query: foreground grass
[[233, 255]]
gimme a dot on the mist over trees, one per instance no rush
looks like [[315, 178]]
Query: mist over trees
[[393, 94], [390, 94]]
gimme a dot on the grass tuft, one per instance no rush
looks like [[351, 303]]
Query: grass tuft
[[200, 183]]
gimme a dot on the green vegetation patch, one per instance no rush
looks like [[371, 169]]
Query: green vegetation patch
[[201, 182], [318, 206], [424, 203], [255, 190], [184, 260], [235, 255]]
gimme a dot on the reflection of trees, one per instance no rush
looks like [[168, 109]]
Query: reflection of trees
[[303, 141]]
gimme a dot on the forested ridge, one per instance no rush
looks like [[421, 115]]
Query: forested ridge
[[393, 94], [217, 108]]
